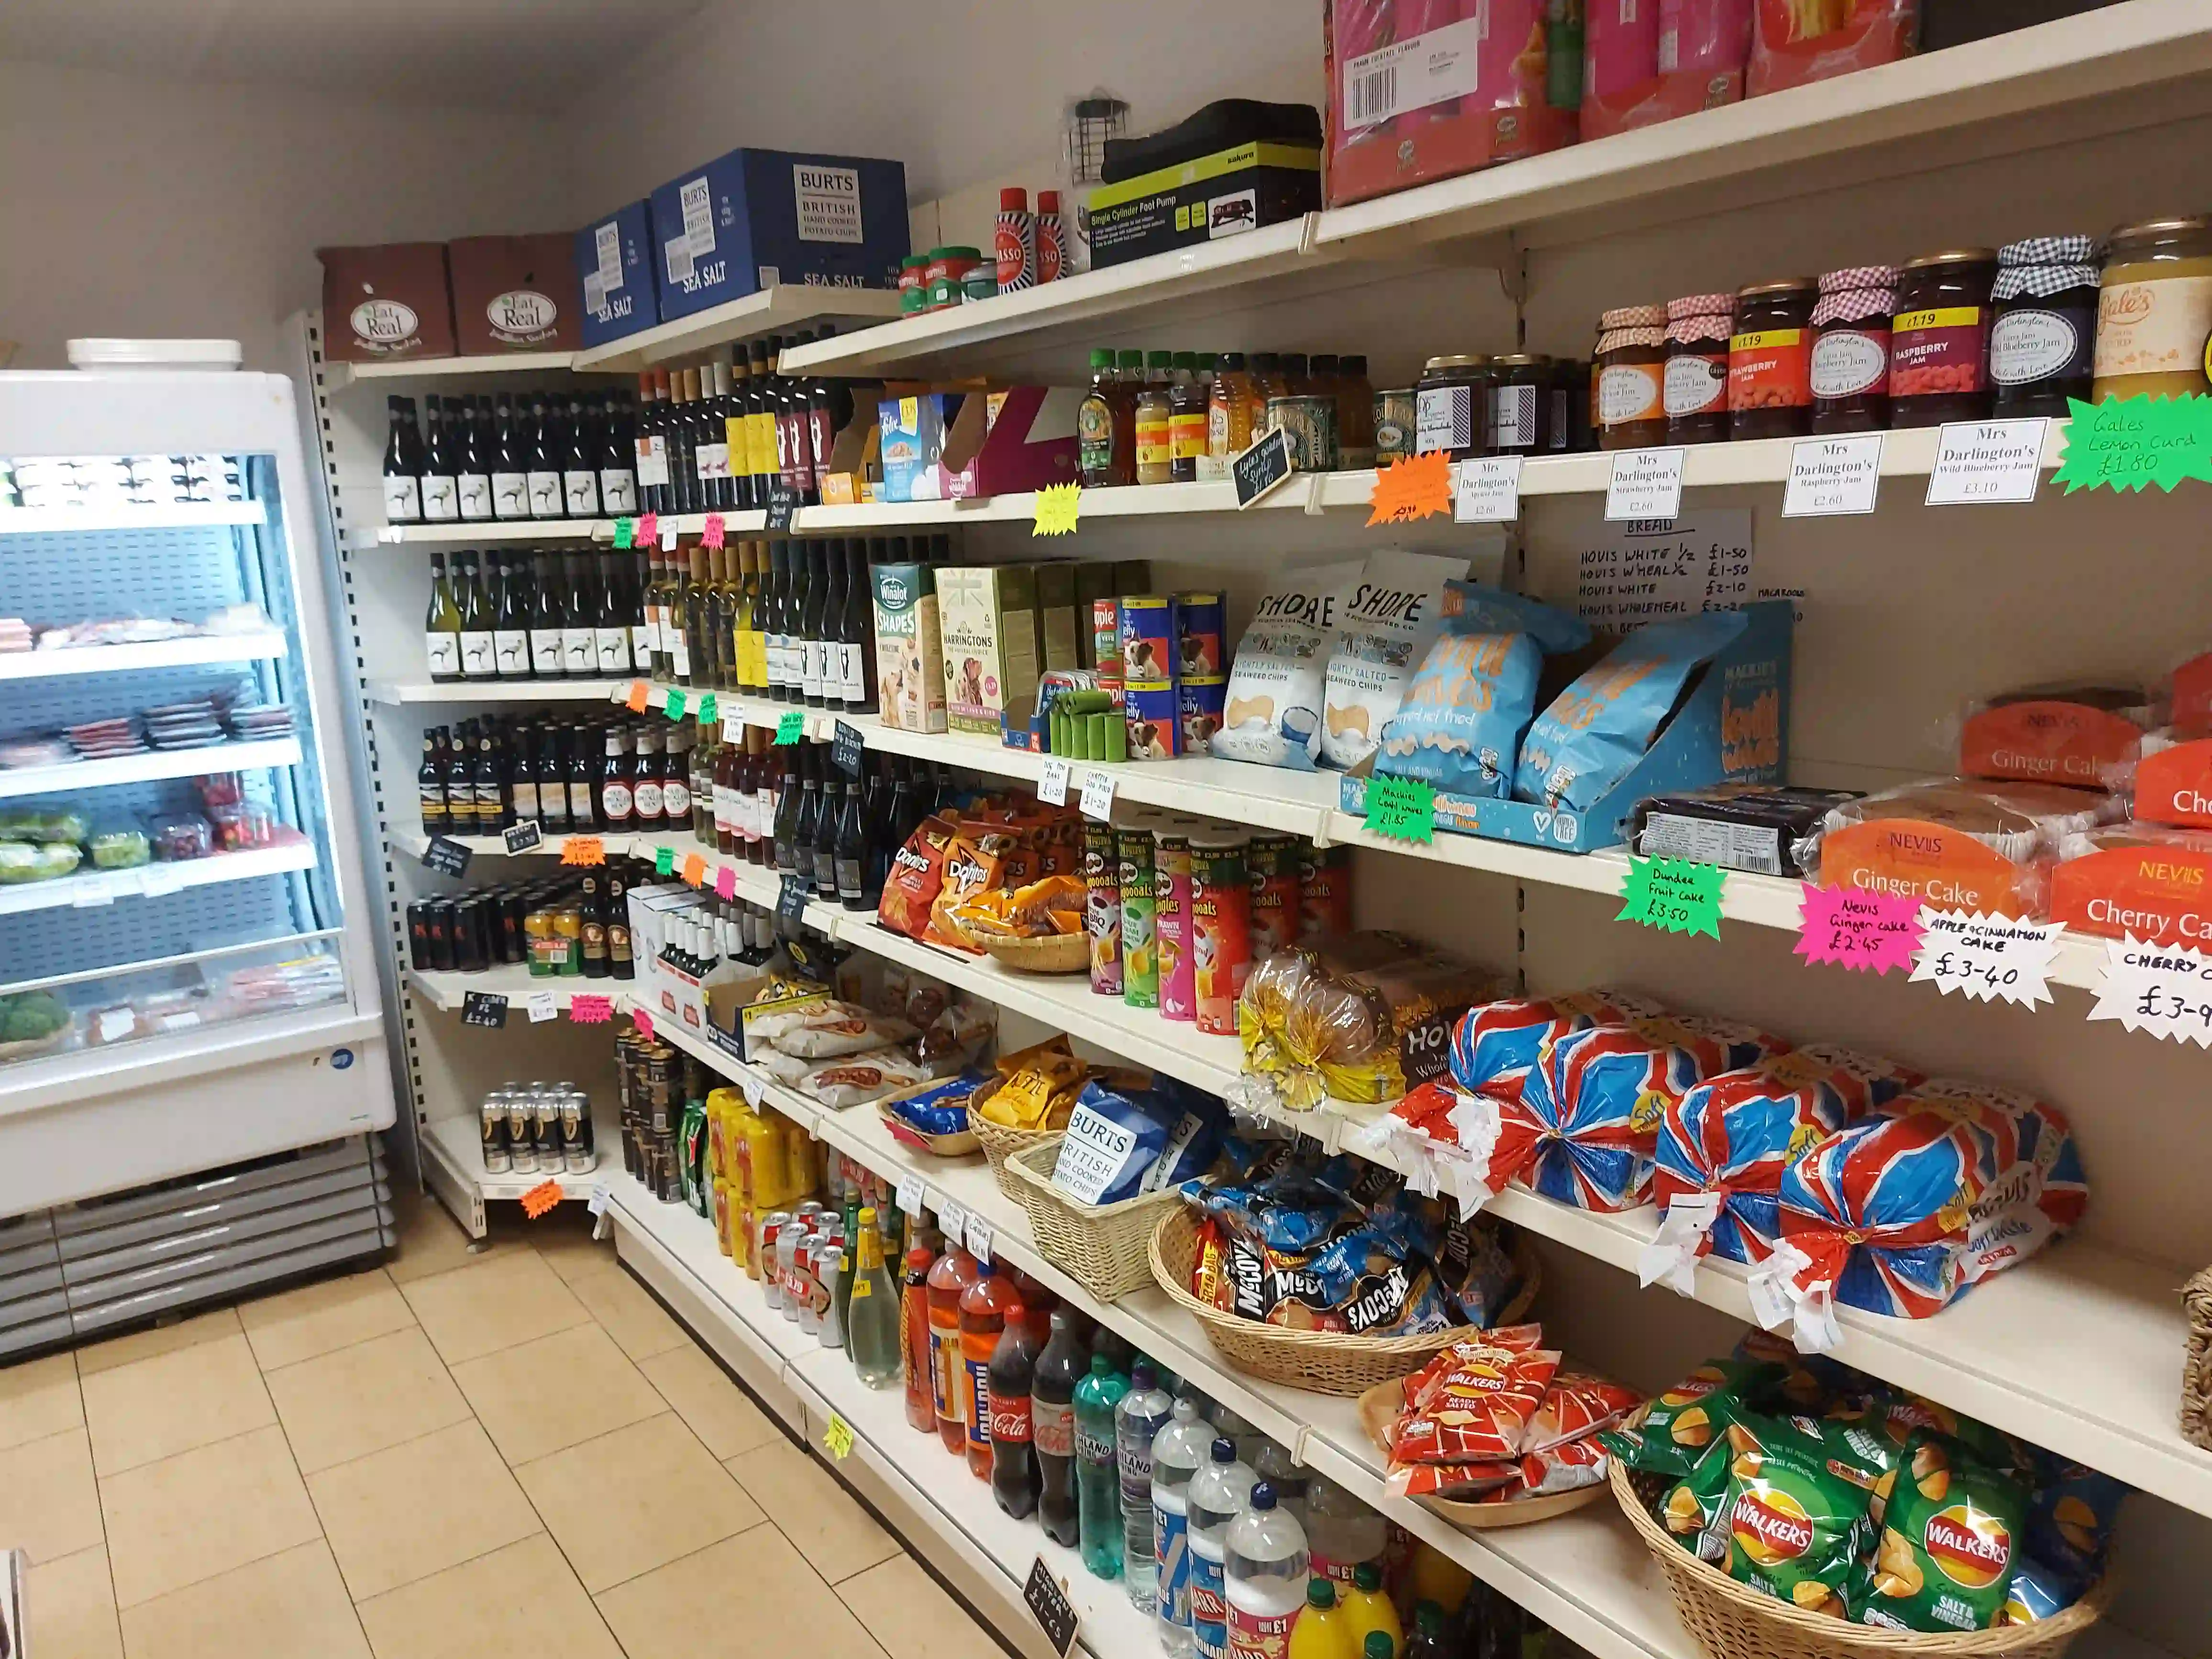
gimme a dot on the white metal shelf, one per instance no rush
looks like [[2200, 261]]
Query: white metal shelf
[[418, 368], [393, 693], [482, 533], [459, 1143], [773, 309], [186, 652], [155, 880], [446, 989], [168, 516], [154, 764]]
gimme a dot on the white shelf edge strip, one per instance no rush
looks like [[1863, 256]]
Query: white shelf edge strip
[[89, 887], [130, 658]]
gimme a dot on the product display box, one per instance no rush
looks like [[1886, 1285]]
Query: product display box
[[1733, 727], [913, 424], [909, 647], [1056, 614], [614, 275], [1017, 439], [753, 218], [386, 304], [987, 616], [1223, 194], [514, 294]]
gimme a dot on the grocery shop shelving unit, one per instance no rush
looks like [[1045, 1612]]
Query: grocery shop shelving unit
[[773, 310]]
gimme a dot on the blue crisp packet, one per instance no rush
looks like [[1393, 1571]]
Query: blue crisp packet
[[1111, 1142], [2039, 1592], [941, 1109], [1599, 727], [2070, 1530], [1461, 724], [1196, 1124]]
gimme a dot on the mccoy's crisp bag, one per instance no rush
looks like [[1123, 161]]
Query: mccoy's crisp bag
[[1951, 1540]]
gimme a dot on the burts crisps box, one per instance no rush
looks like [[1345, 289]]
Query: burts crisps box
[[614, 270], [755, 218]]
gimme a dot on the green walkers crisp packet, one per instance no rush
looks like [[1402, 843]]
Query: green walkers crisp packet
[[1949, 1545], [1795, 1516], [1692, 1416]]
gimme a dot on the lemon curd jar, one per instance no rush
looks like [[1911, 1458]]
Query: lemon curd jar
[[2154, 310]]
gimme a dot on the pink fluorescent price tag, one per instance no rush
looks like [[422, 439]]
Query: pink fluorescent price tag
[[591, 1009], [725, 884], [1863, 932], [643, 1021]]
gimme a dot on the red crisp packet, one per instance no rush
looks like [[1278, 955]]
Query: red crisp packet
[[1514, 1339], [1575, 1405], [1568, 1468], [1479, 1411], [1464, 1483]]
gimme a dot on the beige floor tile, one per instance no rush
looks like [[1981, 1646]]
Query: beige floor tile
[[38, 1398], [314, 1319], [157, 1340], [911, 1616], [289, 1606], [563, 1237], [520, 1602], [155, 1409], [494, 1304], [722, 1414], [559, 1390], [402, 1514], [747, 1597], [49, 1500], [71, 1602], [203, 1512], [628, 1313], [814, 1511], [359, 1400], [635, 1499], [432, 1242]]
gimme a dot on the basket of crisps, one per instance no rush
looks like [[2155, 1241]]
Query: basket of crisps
[[1036, 929], [1025, 1104], [1876, 1526]]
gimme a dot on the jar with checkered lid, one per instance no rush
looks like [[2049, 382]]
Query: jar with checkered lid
[[1631, 389], [1851, 349], [2043, 345]]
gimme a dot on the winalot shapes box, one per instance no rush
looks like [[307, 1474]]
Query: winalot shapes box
[[909, 647]]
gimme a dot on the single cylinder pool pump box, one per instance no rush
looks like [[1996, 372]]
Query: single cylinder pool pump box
[[1223, 194]]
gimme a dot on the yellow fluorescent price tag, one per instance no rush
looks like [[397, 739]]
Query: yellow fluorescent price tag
[[837, 1439]]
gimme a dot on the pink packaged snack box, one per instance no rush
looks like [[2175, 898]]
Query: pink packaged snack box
[[1646, 61]]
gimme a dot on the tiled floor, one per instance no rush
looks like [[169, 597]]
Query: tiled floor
[[512, 1453]]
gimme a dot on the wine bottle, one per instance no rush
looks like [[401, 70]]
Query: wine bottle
[[637, 598], [547, 659], [472, 458], [856, 657], [510, 474], [618, 457], [617, 802], [403, 464], [441, 626], [609, 628], [479, 657], [544, 462], [522, 791], [580, 461], [441, 500], [430, 783], [579, 651], [833, 615], [809, 631]]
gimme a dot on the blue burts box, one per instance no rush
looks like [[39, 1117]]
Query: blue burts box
[[614, 267], [754, 218]]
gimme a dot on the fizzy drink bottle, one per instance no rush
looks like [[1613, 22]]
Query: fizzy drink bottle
[[1013, 1457], [983, 1308], [1097, 1473], [1059, 1367], [1218, 1494], [949, 1279], [1264, 1575]]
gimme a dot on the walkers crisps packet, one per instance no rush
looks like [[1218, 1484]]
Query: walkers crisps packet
[[1949, 1545], [1794, 1516], [1685, 1422]]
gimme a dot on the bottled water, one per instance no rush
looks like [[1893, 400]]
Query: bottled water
[[1137, 1419], [1263, 1564], [1219, 1493], [1178, 1453]]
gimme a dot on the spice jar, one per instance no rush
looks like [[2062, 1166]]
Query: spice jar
[[1851, 349], [1632, 353], [1698, 329], [1521, 421], [2154, 310], [1771, 360], [1449, 407], [2042, 343], [1939, 367]]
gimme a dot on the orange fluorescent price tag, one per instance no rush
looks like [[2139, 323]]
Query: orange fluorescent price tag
[[639, 692], [1416, 486], [583, 849], [695, 869], [541, 1198]]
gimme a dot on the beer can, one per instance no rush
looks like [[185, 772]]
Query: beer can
[[498, 1159], [521, 1134]]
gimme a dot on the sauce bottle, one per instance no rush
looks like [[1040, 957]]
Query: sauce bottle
[[1228, 416], [1102, 458], [1188, 416], [983, 1309], [949, 1279], [1155, 419]]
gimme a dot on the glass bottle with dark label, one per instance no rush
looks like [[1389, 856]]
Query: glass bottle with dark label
[[775, 637], [618, 457], [594, 905], [856, 666], [580, 461], [441, 625], [546, 658], [825, 631], [616, 799], [490, 788], [579, 651], [739, 436], [583, 796], [698, 640], [543, 461], [610, 626], [522, 792], [675, 782], [479, 659], [430, 781], [806, 642], [403, 464], [472, 464], [461, 780], [552, 784], [621, 961], [648, 791], [852, 850], [636, 603], [790, 803], [824, 842], [510, 471]]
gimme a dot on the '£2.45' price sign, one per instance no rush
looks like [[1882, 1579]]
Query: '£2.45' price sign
[[2163, 989]]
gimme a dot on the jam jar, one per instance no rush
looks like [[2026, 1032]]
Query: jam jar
[[1851, 349], [1939, 351], [2042, 343], [1631, 395], [1771, 360], [1698, 328], [2154, 310], [1451, 407], [1522, 414]]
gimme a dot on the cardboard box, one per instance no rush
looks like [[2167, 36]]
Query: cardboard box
[[913, 425], [753, 218], [1057, 629], [386, 304], [1224, 194], [614, 272], [1019, 438], [514, 294], [854, 469], [909, 647], [988, 617]]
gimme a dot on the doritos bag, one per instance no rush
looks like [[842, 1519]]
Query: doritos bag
[[917, 873]]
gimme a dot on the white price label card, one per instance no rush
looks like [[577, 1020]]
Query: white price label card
[[668, 534], [1989, 958], [1051, 782], [978, 1239], [1833, 476], [91, 897], [1646, 483], [2163, 989], [542, 1007], [115, 1023], [1983, 462], [733, 728], [1488, 491], [600, 1196], [951, 1220], [1098, 796], [752, 1085], [910, 1196]]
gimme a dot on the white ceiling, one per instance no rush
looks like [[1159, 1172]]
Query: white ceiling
[[536, 55]]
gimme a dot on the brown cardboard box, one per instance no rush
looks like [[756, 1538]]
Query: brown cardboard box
[[385, 304], [987, 617], [515, 293]]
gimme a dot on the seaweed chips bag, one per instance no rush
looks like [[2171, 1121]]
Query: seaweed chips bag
[[1272, 712], [1597, 729], [1461, 724], [1391, 616], [1949, 1545]]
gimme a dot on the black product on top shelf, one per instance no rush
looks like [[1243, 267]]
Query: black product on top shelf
[[439, 483], [579, 460], [542, 461], [510, 463]]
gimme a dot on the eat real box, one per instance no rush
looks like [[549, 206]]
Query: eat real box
[[755, 218], [614, 268], [514, 294], [385, 303]]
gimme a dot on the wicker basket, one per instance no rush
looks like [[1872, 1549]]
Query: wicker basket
[[1378, 1409], [1326, 1362], [1103, 1246], [1734, 1621], [1055, 953], [2196, 1363]]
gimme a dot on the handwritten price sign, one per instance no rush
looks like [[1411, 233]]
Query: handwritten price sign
[[2162, 989], [1866, 933], [1676, 895], [1987, 958]]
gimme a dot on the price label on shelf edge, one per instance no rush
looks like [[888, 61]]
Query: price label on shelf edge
[[1051, 782], [1646, 483], [1866, 932], [1986, 463], [1488, 490], [487, 1008], [2163, 990], [911, 1196], [1987, 958], [542, 1007], [1097, 796], [1830, 477]]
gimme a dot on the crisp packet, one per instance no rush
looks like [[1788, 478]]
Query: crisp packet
[[2070, 1530], [1576, 1406], [942, 1108], [1691, 1417], [827, 1029], [853, 1079], [2038, 1592], [1110, 1145], [1479, 1412]]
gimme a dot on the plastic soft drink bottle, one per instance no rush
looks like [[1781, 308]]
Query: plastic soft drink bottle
[[1273, 1464], [1370, 1612], [1059, 1367], [1247, 1438], [1179, 1451], [1219, 1493], [1037, 1304], [1097, 1476], [1139, 1419], [913, 1340], [983, 1308], [1013, 1457], [1342, 1531], [1263, 1566], [1321, 1631], [949, 1279], [1427, 1641]]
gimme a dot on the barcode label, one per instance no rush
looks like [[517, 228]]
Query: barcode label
[[595, 293], [1373, 97], [698, 218], [608, 240], [1410, 74], [680, 259]]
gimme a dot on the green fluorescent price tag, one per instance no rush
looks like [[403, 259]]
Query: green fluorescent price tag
[[1403, 808], [625, 532], [664, 861], [2129, 443], [674, 706], [709, 710], [1676, 895], [790, 727]]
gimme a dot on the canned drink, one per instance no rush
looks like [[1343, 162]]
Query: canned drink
[[1140, 962], [1220, 929], [578, 1154], [1171, 922], [765, 1257], [1396, 422], [497, 1157], [545, 1128], [521, 1134], [1311, 423]]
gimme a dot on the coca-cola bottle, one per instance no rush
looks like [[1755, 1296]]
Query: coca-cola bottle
[[1013, 1458], [1063, 1362]]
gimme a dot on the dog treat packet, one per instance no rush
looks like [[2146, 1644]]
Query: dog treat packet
[[1597, 729], [1274, 708], [1388, 620], [1461, 724], [1950, 1542], [1794, 1516]]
